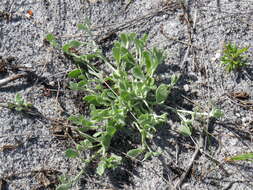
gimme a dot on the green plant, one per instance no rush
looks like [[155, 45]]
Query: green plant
[[20, 104], [123, 99], [123, 96], [233, 57]]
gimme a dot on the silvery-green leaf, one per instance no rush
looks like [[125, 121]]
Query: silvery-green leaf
[[135, 152], [161, 93], [185, 130], [71, 153]]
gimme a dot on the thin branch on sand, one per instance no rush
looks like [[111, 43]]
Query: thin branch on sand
[[11, 78]]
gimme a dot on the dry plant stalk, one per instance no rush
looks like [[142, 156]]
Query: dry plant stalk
[[11, 78]]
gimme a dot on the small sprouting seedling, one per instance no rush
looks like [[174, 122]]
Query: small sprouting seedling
[[50, 38], [233, 57], [19, 104]]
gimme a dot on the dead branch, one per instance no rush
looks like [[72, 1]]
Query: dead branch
[[11, 78]]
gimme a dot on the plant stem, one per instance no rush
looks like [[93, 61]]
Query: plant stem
[[185, 111], [88, 136]]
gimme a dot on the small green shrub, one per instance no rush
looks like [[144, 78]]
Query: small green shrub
[[124, 99], [20, 104], [123, 96], [233, 57]]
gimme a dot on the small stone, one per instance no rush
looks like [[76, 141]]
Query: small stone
[[244, 120], [238, 115], [52, 83], [186, 88]]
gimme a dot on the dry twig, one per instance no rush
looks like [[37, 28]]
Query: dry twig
[[183, 177], [12, 78]]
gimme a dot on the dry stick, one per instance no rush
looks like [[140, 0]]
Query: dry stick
[[240, 102], [197, 150], [189, 28], [214, 9], [183, 177], [11, 78], [9, 147], [57, 96], [177, 152], [177, 40], [28, 172], [218, 5], [138, 19], [128, 22], [128, 4], [195, 19]]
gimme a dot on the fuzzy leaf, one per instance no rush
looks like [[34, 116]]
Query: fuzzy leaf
[[51, 39], [135, 152], [158, 57], [106, 140], [81, 121], [216, 113], [124, 39], [75, 43], [93, 99], [18, 99], [137, 72], [161, 93], [111, 130], [185, 130], [78, 86], [75, 73], [116, 54], [100, 114], [114, 160], [148, 62], [83, 145], [101, 168], [147, 156], [66, 48], [71, 153]]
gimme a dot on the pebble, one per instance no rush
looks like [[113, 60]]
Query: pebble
[[186, 88], [52, 83]]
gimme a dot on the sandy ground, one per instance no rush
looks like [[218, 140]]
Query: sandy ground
[[31, 152]]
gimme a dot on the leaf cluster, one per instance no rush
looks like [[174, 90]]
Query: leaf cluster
[[123, 99], [19, 104], [233, 57]]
